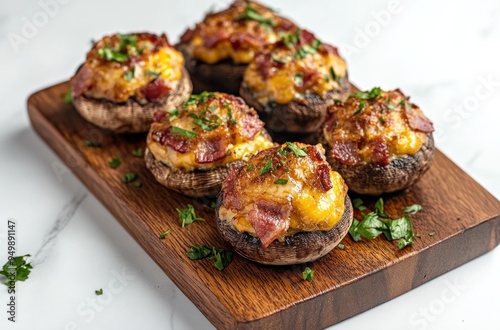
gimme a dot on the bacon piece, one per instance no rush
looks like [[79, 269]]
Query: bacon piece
[[418, 121], [212, 39], [328, 49], [244, 40], [211, 150], [187, 35], [345, 153], [265, 64], [81, 81], [306, 37], [285, 25], [159, 115], [324, 180], [314, 154], [177, 142], [269, 219], [309, 78], [251, 125], [155, 89], [380, 152]]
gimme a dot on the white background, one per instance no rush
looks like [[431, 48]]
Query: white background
[[439, 52]]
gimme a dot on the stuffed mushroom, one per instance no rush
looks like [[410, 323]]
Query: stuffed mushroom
[[292, 83], [219, 48], [285, 206], [192, 148], [378, 141], [126, 78]]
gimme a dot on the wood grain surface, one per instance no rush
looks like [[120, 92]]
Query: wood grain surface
[[464, 217]]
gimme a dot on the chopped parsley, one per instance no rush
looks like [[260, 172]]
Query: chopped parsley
[[296, 150], [137, 184], [222, 258], [382, 120], [282, 152], [368, 95], [99, 292], [115, 162], [402, 103], [16, 269], [231, 120], [174, 113], [165, 233], [68, 97], [196, 99], [375, 223], [332, 73], [129, 177], [267, 167], [112, 55], [92, 144], [281, 181], [358, 203], [152, 74], [183, 132], [298, 79], [360, 108], [432, 233], [282, 60], [137, 152], [252, 14], [413, 209], [129, 75], [188, 216], [249, 167], [204, 122], [308, 274], [341, 246]]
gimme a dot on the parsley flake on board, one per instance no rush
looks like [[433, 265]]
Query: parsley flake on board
[[129, 177], [358, 203], [341, 246], [308, 274], [138, 152], [375, 223], [99, 292], [115, 162], [188, 216], [92, 144], [16, 269], [183, 132], [222, 258], [165, 233], [137, 184], [68, 97], [413, 209]]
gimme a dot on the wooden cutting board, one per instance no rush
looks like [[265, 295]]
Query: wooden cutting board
[[459, 221]]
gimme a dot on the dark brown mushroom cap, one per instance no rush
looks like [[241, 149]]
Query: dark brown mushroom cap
[[131, 116], [296, 249], [299, 116], [195, 183], [401, 173]]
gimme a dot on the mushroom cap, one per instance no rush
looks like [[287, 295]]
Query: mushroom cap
[[302, 116], [131, 116], [401, 173], [296, 249]]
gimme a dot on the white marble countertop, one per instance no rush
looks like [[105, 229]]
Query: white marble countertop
[[442, 53]]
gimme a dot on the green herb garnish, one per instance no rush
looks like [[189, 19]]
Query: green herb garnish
[[183, 132], [115, 162], [308, 274], [98, 292], [137, 184], [249, 167], [137, 152], [402, 103], [252, 14], [278, 59], [281, 181], [16, 269], [152, 73], [129, 177], [282, 152], [196, 99], [413, 209], [296, 150], [92, 144], [165, 233], [332, 73], [267, 167], [173, 113], [298, 79], [382, 120], [68, 97], [360, 107], [368, 95], [230, 120], [432, 233], [112, 55], [130, 74], [188, 216], [341, 246], [379, 208], [358, 203], [222, 258], [198, 252]]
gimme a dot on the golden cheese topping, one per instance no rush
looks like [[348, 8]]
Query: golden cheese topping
[[282, 191], [375, 127], [209, 130], [236, 33], [141, 66], [296, 66]]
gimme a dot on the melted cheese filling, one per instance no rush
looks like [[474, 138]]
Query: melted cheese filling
[[311, 210]]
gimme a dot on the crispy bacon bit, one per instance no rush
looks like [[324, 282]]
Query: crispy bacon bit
[[187, 35], [251, 125], [418, 121], [155, 89], [159, 115], [306, 37], [210, 40], [285, 25], [324, 179], [314, 154], [269, 219], [243, 40], [81, 81], [177, 142], [211, 150], [328, 49], [344, 152], [309, 78], [380, 152], [265, 64]]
